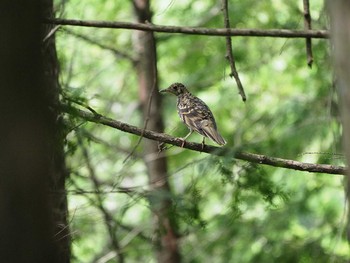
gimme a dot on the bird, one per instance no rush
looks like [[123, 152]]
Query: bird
[[195, 114]]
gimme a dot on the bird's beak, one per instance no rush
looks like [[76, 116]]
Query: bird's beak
[[164, 90]]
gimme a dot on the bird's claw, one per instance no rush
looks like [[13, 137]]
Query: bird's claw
[[161, 146], [203, 143], [183, 142]]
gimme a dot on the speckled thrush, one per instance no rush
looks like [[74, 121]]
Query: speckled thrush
[[195, 114]]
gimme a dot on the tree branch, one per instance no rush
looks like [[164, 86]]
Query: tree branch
[[116, 52], [224, 151], [192, 30], [108, 218], [307, 26], [229, 51]]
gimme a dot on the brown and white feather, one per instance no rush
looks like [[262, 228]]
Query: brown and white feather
[[195, 113]]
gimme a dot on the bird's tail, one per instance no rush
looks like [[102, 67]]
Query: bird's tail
[[211, 132]]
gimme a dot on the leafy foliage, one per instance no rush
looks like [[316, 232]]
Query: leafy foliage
[[226, 210]]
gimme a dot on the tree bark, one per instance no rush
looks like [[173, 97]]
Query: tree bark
[[340, 32], [26, 137], [160, 198], [59, 173]]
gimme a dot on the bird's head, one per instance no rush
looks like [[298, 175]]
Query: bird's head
[[176, 89]]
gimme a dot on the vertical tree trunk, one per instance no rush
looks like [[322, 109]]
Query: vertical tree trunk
[[340, 30], [165, 227], [26, 137], [58, 167]]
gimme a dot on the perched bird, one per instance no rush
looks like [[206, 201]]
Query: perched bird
[[195, 114]]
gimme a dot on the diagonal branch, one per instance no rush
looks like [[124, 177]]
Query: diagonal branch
[[116, 52], [229, 54], [286, 33], [147, 117], [161, 137]]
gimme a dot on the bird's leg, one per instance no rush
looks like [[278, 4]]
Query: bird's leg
[[184, 138], [203, 143], [188, 135]]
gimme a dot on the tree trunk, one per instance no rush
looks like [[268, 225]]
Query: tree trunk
[[27, 139], [340, 30], [59, 172], [160, 198]]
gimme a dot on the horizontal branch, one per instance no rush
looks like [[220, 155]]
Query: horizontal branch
[[193, 30], [219, 151]]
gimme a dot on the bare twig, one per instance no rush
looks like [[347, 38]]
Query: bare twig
[[119, 190], [89, 40], [109, 222], [149, 104], [80, 103], [224, 151], [192, 30], [116, 147], [229, 54], [307, 26], [51, 33]]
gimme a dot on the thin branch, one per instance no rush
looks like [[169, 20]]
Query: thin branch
[[109, 222], [192, 30], [145, 122], [119, 190], [116, 147], [224, 151], [307, 26], [117, 53], [51, 33], [80, 103], [229, 54]]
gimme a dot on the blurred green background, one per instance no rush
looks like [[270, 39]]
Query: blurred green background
[[227, 210]]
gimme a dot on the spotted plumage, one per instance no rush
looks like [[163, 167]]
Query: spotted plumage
[[195, 113]]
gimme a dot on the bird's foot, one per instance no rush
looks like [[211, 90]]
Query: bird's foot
[[203, 143], [183, 142], [161, 146]]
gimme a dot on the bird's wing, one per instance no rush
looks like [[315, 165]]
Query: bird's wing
[[192, 111], [211, 132], [197, 116]]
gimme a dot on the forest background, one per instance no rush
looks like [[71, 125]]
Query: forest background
[[274, 193]]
